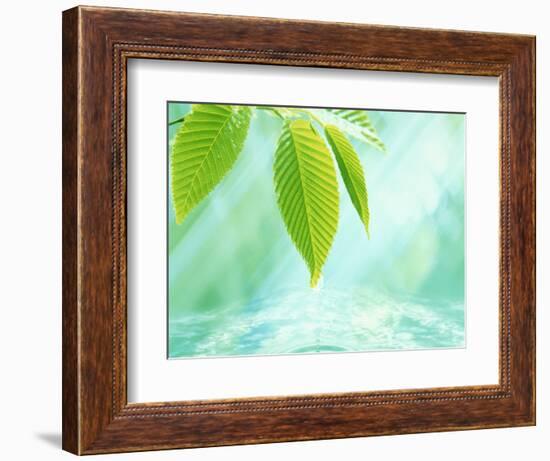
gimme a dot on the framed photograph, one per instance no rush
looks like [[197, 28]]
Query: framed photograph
[[282, 230]]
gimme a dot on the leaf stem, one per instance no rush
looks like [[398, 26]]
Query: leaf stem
[[310, 114], [271, 110], [178, 120]]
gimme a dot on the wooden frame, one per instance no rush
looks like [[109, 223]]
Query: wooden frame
[[97, 43]]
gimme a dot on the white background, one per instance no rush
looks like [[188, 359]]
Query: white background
[[153, 378], [30, 247]]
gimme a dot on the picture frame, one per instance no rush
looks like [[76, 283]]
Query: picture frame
[[97, 45]]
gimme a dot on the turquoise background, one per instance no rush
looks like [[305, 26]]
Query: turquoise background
[[238, 286]]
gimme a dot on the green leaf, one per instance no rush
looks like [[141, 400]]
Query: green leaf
[[354, 123], [351, 171], [307, 192], [206, 147]]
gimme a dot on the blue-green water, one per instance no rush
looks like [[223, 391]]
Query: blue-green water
[[327, 321], [237, 285]]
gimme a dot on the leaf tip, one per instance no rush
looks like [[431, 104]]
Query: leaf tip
[[180, 215], [314, 281]]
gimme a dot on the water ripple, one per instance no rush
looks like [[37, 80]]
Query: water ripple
[[324, 321]]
